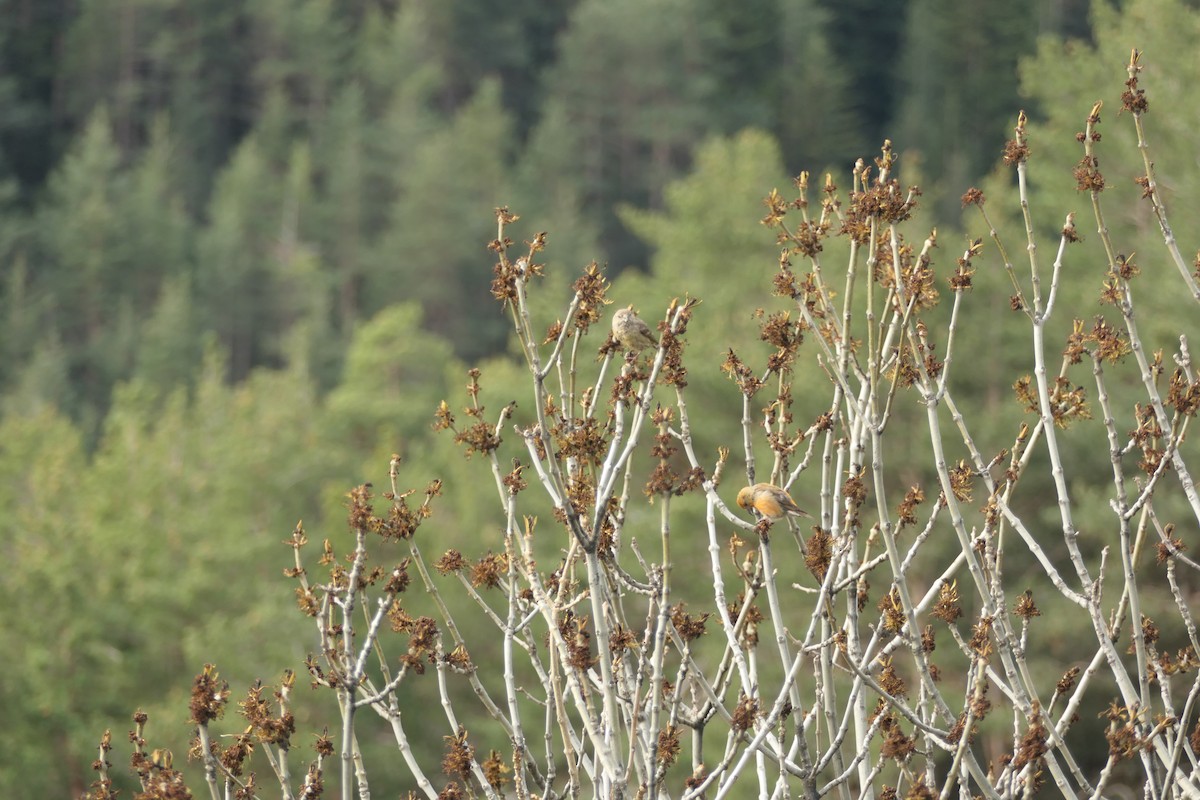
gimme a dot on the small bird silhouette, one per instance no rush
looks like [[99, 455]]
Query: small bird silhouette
[[770, 501], [629, 329]]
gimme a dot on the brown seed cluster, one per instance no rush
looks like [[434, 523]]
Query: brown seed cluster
[[1183, 662], [400, 521], [964, 272], [459, 756], [267, 727], [906, 513], [962, 477], [234, 757], [574, 631], [855, 487], [515, 481], [1147, 186], [674, 373], [210, 694], [158, 782], [1183, 395], [1032, 748], [1067, 681], [1067, 404], [1150, 632], [803, 289], [459, 661], [1069, 232], [1124, 735], [580, 438], [896, 744], [308, 601], [1148, 436], [947, 607], [1025, 608], [890, 681], [495, 771], [423, 636], [1169, 545], [818, 552], [620, 640], [689, 626], [786, 336], [1133, 99], [451, 561], [973, 197], [489, 571], [481, 437], [916, 273], [892, 610], [155, 769], [1125, 267], [508, 273], [1093, 119], [1088, 177], [981, 637], [591, 288], [668, 745], [741, 374], [809, 236], [553, 331], [885, 202], [664, 480], [1016, 151], [746, 714], [1076, 343], [777, 209], [504, 285], [1113, 290], [102, 787], [754, 617], [904, 371]]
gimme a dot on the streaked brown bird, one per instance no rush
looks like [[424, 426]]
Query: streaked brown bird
[[629, 329], [770, 501]]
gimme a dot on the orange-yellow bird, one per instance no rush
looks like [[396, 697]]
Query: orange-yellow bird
[[629, 329], [770, 501]]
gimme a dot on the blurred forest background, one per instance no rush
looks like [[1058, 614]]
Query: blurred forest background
[[242, 257]]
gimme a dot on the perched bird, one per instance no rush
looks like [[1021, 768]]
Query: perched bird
[[629, 329], [770, 501]]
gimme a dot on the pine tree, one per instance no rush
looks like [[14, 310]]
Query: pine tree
[[233, 283], [79, 242], [628, 102], [957, 74], [436, 251]]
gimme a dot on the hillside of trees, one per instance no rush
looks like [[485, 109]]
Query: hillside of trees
[[274, 174], [243, 257]]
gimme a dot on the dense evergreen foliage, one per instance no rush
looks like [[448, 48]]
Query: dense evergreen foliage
[[286, 169]]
